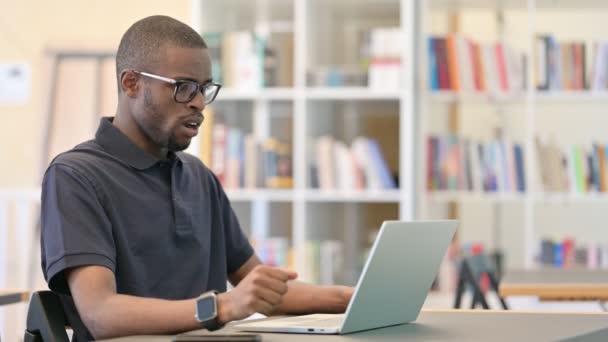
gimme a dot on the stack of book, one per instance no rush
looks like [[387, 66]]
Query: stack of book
[[244, 60], [323, 262], [382, 49], [574, 168], [274, 251], [241, 160], [360, 166], [459, 64], [570, 65], [458, 164], [566, 253]]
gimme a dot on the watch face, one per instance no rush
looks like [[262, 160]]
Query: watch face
[[205, 308]]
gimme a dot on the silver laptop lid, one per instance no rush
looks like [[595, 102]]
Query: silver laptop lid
[[398, 274]]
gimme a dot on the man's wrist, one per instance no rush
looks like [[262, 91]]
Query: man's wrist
[[223, 308], [344, 294]]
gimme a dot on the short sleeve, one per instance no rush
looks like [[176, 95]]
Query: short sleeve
[[238, 248], [75, 230]]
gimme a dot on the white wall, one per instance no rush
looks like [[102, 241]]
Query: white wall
[[27, 29]]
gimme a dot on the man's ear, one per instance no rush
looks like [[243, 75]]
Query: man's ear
[[129, 83]]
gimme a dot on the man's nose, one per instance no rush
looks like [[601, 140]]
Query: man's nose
[[198, 102]]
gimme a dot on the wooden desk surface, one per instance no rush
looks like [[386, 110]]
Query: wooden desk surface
[[556, 284], [455, 325], [13, 296]]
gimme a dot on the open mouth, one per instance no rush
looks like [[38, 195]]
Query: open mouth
[[192, 124]]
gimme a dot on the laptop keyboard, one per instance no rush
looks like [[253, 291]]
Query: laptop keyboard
[[316, 320], [321, 322]]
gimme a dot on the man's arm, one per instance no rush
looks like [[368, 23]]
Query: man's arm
[[301, 298], [108, 314], [304, 298], [258, 288]]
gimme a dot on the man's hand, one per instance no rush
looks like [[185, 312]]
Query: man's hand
[[261, 290]]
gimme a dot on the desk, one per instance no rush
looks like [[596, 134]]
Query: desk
[[13, 296], [556, 284], [456, 325]]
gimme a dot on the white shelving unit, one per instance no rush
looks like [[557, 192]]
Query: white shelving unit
[[257, 94], [532, 219], [315, 25], [540, 96], [309, 219]]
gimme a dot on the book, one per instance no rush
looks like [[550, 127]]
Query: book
[[379, 165], [433, 64], [214, 46], [206, 136], [324, 162], [218, 161], [460, 64]]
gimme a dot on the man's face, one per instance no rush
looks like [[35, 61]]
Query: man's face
[[161, 118]]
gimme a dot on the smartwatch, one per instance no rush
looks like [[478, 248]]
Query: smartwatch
[[206, 311]]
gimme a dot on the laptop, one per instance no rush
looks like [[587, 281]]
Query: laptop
[[396, 278]]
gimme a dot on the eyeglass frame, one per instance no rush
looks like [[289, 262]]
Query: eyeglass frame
[[177, 83]]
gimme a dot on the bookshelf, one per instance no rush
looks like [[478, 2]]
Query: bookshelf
[[258, 94], [543, 97], [332, 93], [328, 97], [517, 222]]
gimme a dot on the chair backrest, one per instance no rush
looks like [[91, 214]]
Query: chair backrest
[[46, 320], [472, 269]]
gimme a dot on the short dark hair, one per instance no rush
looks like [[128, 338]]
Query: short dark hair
[[142, 44]]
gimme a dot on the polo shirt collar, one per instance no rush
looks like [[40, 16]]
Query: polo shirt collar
[[117, 144]]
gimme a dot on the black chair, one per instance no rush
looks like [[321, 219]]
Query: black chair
[[47, 320], [471, 270]]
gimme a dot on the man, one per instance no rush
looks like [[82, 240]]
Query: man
[[134, 231]]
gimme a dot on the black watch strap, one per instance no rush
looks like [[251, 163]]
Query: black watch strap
[[213, 323]]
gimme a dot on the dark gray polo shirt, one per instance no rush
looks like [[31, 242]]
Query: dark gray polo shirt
[[165, 228]]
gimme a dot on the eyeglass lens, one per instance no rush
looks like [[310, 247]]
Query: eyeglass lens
[[187, 91]]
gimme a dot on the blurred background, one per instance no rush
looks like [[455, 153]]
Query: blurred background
[[336, 115]]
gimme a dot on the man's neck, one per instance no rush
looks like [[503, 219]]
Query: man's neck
[[127, 126]]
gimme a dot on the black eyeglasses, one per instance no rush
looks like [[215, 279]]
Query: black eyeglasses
[[185, 91]]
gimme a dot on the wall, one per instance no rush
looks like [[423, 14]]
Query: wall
[[28, 28]]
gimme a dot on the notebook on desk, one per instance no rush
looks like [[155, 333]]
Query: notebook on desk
[[396, 278]]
